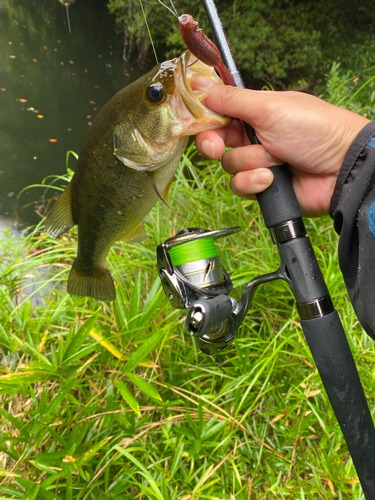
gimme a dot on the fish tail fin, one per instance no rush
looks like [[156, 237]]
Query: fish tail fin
[[60, 218], [98, 284]]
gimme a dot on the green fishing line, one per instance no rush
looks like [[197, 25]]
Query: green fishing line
[[203, 248]]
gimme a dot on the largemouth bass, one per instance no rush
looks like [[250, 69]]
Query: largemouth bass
[[126, 163]]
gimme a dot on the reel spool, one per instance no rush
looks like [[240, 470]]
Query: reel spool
[[196, 259]]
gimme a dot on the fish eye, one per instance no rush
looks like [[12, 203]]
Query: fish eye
[[155, 92]]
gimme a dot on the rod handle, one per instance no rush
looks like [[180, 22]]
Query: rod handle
[[278, 202]]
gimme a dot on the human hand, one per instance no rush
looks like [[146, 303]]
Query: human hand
[[309, 134]]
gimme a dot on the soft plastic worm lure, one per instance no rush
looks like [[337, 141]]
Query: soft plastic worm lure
[[202, 47]]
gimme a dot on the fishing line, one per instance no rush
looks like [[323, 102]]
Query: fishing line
[[199, 249], [67, 15], [192, 64], [173, 10], [149, 33]]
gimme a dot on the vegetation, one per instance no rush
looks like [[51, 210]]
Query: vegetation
[[284, 42], [103, 401]]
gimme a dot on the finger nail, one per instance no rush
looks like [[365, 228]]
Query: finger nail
[[208, 148], [261, 178], [201, 81]]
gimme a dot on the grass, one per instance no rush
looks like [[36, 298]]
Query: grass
[[102, 401]]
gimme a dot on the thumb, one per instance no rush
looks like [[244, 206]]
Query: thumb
[[235, 102]]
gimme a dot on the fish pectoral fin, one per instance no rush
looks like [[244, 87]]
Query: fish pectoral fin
[[151, 178], [166, 190], [60, 218], [136, 235]]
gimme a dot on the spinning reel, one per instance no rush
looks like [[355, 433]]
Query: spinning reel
[[194, 278]]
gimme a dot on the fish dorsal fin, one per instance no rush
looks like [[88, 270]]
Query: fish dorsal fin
[[60, 218], [151, 178], [136, 235]]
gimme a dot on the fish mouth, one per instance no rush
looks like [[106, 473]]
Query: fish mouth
[[201, 117], [187, 115]]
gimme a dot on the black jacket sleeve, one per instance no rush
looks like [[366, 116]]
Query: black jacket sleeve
[[353, 211]]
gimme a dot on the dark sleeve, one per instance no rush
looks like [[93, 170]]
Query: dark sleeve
[[353, 212]]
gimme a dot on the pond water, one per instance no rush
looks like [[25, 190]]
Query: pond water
[[52, 84]]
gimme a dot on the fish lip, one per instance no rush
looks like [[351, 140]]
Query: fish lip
[[199, 113]]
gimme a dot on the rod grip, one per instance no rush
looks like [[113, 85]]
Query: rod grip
[[278, 202]]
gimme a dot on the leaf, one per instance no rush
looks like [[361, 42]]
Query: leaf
[[142, 470], [119, 311], [17, 379], [50, 459], [30, 349], [105, 343], [310, 394], [88, 455], [135, 300], [10, 491], [142, 351], [330, 485], [144, 386], [60, 396], [68, 153], [214, 429], [32, 493], [128, 396], [79, 337], [277, 418], [82, 353], [42, 493], [43, 467], [83, 367], [177, 458], [353, 481], [152, 303], [152, 294], [17, 424]]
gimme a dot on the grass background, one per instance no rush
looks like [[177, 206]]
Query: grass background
[[115, 401]]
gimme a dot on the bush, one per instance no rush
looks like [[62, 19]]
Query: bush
[[276, 41]]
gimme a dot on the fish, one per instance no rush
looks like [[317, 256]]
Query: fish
[[126, 164]]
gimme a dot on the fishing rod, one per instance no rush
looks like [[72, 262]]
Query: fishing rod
[[193, 278]]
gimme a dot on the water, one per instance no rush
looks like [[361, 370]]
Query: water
[[52, 84]]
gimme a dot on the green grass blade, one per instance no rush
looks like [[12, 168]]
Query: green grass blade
[[128, 396], [145, 386], [142, 470], [79, 338]]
